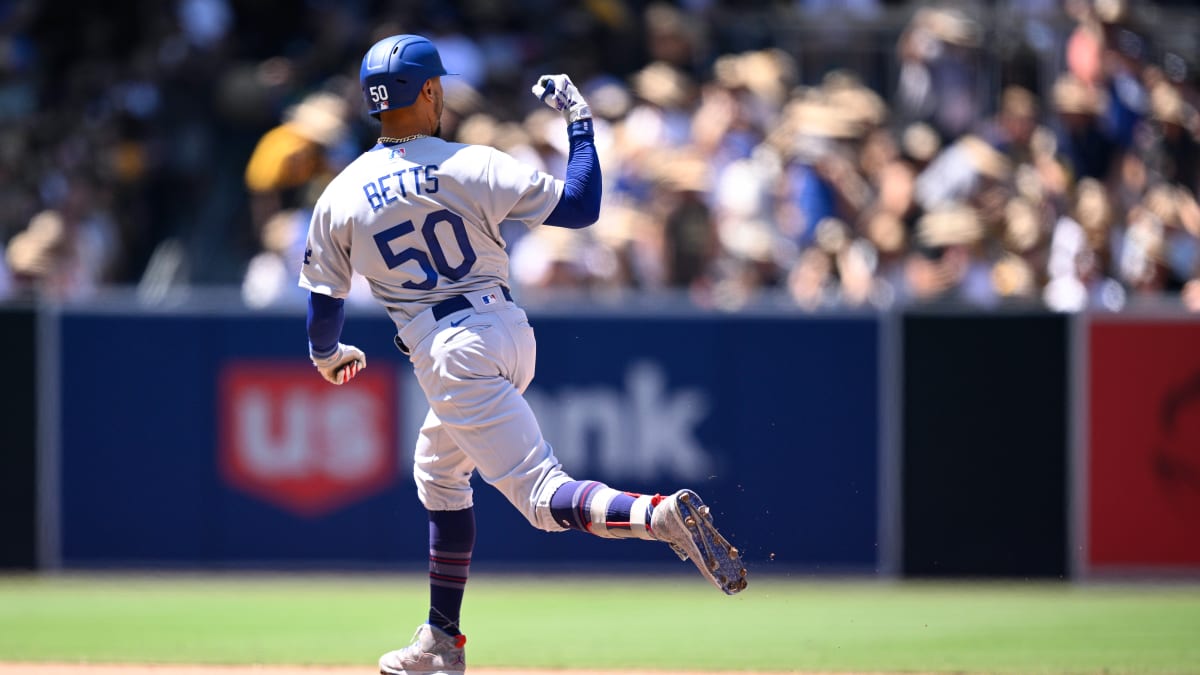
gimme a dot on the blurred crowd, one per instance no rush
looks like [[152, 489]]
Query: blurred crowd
[[862, 154]]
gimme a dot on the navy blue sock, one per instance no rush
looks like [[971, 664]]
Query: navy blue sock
[[451, 540], [595, 508]]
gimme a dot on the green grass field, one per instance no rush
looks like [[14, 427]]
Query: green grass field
[[778, 624]]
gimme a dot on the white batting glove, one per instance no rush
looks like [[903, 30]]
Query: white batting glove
[[342, 365], [558, 92]]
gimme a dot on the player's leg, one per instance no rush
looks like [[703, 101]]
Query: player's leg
[[443, 476], [442, 473], [473, 379], [681, 520]]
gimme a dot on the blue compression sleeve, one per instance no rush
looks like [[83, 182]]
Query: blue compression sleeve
[[325, 318], [579, 205]]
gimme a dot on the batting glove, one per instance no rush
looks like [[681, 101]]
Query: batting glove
[[558, 92], [342, 365]]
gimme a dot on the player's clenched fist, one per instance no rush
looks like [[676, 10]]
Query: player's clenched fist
[[342, 365], [558, 92]]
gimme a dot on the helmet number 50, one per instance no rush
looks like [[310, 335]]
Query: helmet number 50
[[378, 93], [433, 256]]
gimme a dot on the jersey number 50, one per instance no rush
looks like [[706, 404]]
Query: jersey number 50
[[438, 264]]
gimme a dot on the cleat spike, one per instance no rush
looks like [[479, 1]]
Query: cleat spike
[[742, 573], [689, 521], [686, 498], [733, 552], [742, 585], [712, 564], [703, 511]]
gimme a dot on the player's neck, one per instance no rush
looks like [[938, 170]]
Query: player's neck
[[404, 123]]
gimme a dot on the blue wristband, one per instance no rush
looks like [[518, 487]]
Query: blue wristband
[[580, 128]]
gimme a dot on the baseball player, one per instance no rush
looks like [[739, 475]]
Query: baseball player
[[419, 218]]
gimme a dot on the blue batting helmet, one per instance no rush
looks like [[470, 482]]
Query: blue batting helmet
[[394, 70]]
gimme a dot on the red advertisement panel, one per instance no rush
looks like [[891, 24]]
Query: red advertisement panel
[[292, 439], [1144, 445]]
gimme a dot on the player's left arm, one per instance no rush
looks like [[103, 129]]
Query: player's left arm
[[579, 205], [326, 274], [336, 362]]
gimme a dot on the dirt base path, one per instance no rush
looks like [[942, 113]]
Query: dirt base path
[[182, 669], [175, 669]]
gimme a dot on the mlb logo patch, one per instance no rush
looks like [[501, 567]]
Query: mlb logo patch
[[488, 299], [396, 152]]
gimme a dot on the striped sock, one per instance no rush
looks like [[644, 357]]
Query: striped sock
[[593, 507], [451, 540]]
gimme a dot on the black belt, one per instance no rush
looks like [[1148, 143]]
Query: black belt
[[458, 303], [447, 307]]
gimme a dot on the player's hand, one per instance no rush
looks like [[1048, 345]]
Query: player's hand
[[342, 365], [558, 92]]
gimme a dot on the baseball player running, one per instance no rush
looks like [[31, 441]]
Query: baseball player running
[[419, 218]]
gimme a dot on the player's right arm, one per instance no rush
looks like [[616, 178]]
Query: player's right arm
[[513, 190], [579, 205]]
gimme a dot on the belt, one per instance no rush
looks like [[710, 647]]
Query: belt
[[458, 303], [447, 307]]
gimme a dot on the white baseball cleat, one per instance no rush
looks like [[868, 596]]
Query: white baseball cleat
[[433, 652], [684, 522]]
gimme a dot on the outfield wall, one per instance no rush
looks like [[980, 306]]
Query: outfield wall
[[1138, 510], [924, 444], [218, 444], [985, 435]]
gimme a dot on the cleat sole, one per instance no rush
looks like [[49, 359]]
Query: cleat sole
[[726, 572]]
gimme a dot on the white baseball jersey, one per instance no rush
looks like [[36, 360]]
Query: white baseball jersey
[[421, 222]]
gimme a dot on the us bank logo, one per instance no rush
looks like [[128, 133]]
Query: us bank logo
[[289, 438], [642, 427]]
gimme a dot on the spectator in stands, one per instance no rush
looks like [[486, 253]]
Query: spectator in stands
[[1088, 146], [1011, 130], [65, 254], [289, 167], [1171, 145], [939, 71]]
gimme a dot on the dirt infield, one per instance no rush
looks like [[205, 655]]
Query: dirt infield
[[173, 669]]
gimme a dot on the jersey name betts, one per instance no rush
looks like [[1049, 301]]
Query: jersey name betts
[[421, 222]]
